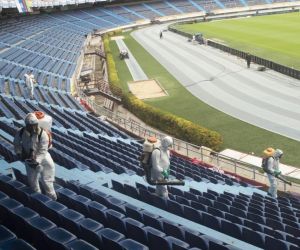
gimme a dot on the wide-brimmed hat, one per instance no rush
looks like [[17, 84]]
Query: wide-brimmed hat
[[269, 152]]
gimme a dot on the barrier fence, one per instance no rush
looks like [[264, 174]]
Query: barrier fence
[[255, 59], [222, 162]]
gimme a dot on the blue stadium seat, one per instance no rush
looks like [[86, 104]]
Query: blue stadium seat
[[152, 220], [11, 188], [88, 231], [38, 201], [156, 239], [231, 229], [6, 205], [115, 220], [115, 204], [70, 220], [110, 238], [131, 191], [16, 245], [211, 221], [24, 195], [19, 218], [176, 244], [6, 235], [38, 227], [64, 195], [133, 212], [3, 196], [135, 230], [80, 245], [58, 238], [253, 237], [275, 244], [175, 207], [172, 229], [80, 204], [253, 225], [97, 212], [130, 244], [52, 209]]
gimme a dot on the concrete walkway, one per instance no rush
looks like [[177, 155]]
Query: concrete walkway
[[136, 71], [265, 99]]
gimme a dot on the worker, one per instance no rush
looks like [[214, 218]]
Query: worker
[[31, 146], [161, 165]]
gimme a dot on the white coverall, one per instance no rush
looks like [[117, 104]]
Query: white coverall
[[273, 165], [160, 162], [46, 166], [29, 80]]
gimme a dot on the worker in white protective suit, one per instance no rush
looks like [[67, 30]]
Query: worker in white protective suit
[[30, 81], [31, 146], [273, 171], [161, 165]]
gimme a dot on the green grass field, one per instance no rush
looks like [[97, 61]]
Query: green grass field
[[237, 135], [274, 37]]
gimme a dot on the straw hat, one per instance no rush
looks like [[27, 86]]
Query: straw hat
[[268, 152]]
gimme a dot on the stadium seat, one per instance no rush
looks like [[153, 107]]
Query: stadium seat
[[80, 245], [70, 219], [253, 237], [192, 214], [97, 212], [7, 205], [133, 212], [176, 244], [6, 235], [88, 231], [58, 238], [110, 238], [231, 229], [52, 209], [152, 220], [156, 239], [16, 244], [115, 220], [135, 230], [38, 227], [130, 244]]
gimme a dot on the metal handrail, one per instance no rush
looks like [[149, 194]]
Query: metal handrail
[[227, 164]]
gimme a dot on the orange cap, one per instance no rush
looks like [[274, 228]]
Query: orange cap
[[152, 139], [39, 114]]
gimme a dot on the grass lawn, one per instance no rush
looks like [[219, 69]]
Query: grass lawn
[[274, 37], [237, 135]]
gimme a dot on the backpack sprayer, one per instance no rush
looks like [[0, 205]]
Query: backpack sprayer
[[145, 159]]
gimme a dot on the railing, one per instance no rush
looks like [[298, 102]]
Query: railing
[[223, 162]]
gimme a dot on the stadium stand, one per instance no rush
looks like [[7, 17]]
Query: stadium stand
[[103, 199]]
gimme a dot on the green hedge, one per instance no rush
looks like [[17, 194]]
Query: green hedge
[[167, 122], [112, 71]]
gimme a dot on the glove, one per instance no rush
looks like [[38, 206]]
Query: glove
[[277, 173], [166, 173]]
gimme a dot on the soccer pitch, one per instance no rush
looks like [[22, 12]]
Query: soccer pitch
[[274, 37]]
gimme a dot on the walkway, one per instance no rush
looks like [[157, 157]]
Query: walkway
[[135, 69], [265, 99]]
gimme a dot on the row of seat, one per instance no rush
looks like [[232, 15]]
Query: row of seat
[[43, 232], [209, 215]]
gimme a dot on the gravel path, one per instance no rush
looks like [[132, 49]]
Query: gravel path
[[265, 99]]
